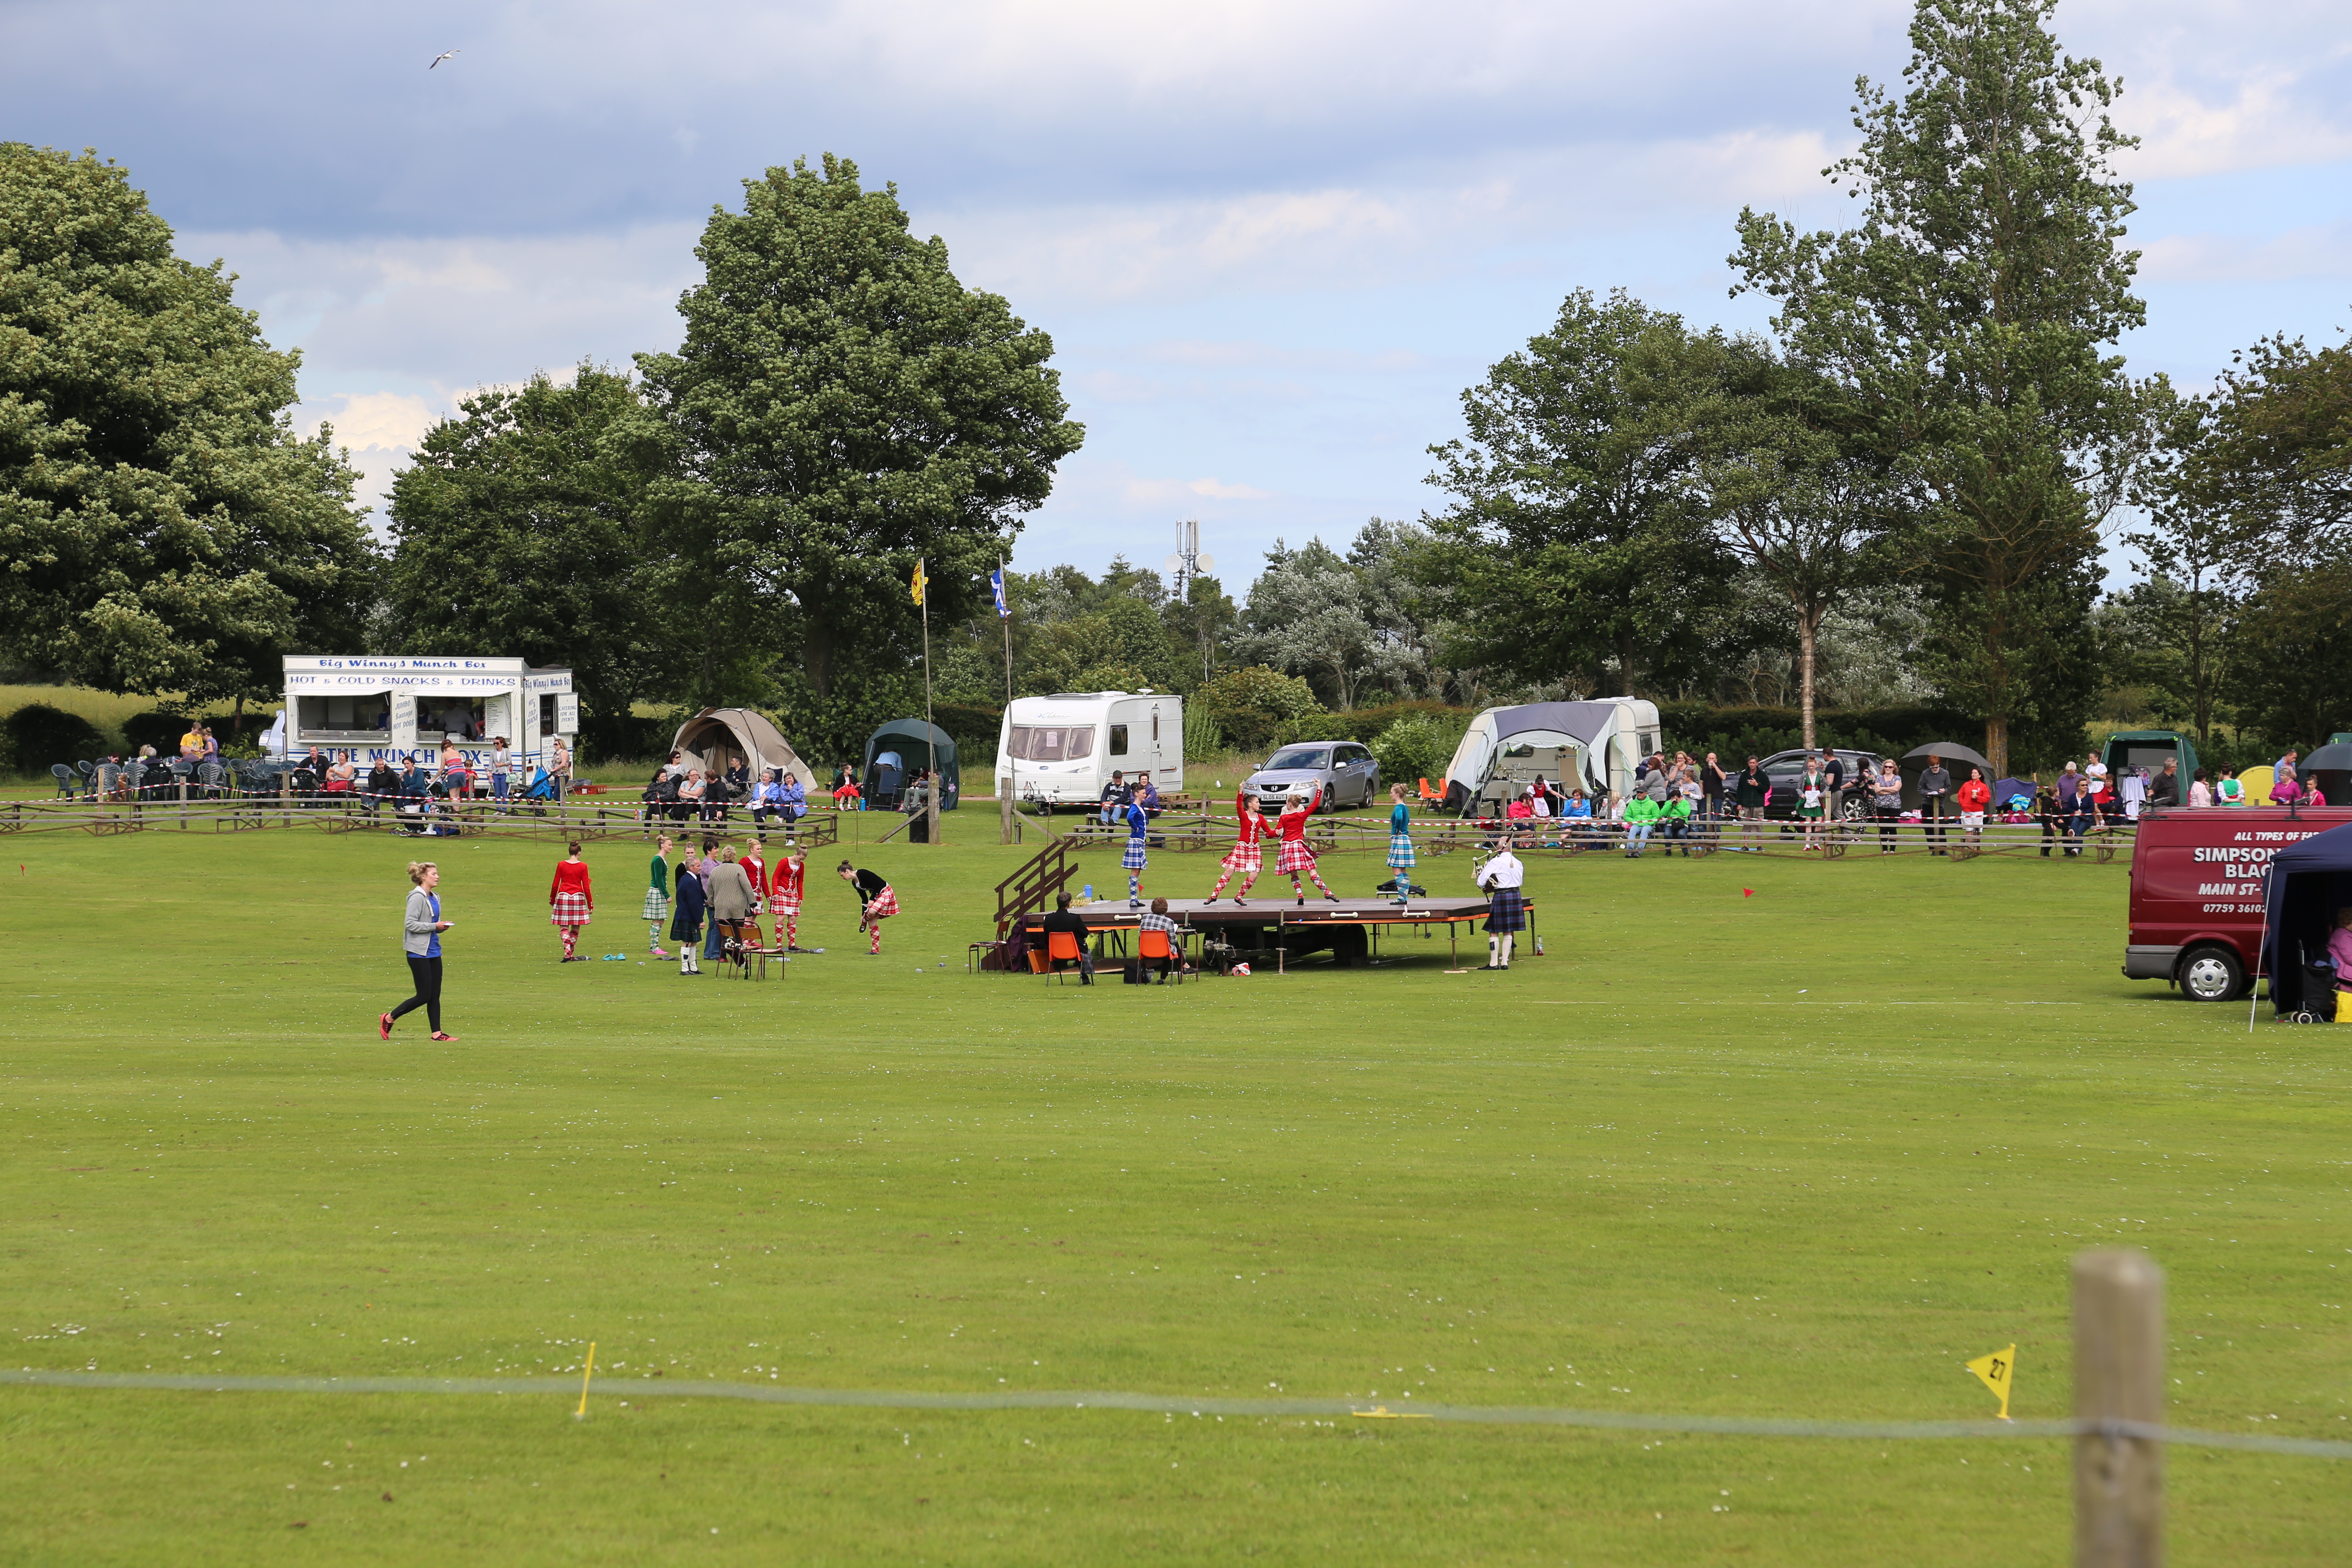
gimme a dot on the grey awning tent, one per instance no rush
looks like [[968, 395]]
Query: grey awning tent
[[711, 736], [2308, 882], [917, 744]]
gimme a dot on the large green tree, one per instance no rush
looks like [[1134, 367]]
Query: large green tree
[[1574, 543], [162, 527], [1971, 312], [840, 406], [516, 530]]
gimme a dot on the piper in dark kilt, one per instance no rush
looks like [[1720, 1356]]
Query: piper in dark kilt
[[571, 902], [1507, 913], [1245, 856]]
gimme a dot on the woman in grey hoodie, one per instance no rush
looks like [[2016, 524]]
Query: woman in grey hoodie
[[421, 926]]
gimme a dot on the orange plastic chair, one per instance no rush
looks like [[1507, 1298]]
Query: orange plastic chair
[[1151, 946], [1429, 795], [1061, 947]]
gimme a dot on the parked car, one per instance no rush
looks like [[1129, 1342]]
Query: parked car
[[1787, 772], [1344, 772]]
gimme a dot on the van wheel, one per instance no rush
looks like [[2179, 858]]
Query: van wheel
[[2210, 974]]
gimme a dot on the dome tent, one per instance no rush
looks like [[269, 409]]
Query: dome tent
[[915, 742], [707, 740]]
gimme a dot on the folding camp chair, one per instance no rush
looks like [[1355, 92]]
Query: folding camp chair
[[68, 785], [1062, 947], [1153, 947]]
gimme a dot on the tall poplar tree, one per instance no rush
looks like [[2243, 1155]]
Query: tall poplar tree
[[1970, 313]]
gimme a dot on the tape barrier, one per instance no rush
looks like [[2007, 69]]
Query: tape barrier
[[1159, 1404]]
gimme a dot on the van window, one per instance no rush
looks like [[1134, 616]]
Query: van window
[[1081, 741], [1016, 744], [1050, 742], [1118, 740], [1155, 728]]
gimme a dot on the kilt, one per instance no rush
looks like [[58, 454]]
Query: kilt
[[1295, 857], [656, 905], [683, 930], [1245, 857], [783, 903], [570, 908], [1401, 855], [1505, 912], [885, 904], [1133, 861]]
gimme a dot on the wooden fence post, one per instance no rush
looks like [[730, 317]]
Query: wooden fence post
[[1006, 833], [2118, 1376]]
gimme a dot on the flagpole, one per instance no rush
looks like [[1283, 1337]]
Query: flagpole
[[930, 746], [1005, 832]]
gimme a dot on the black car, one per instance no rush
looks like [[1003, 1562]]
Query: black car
[[1787, 772]]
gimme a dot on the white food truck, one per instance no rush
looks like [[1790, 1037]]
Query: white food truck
[[386, 708], [1062, 750]]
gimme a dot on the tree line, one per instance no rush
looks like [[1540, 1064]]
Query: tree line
[[1899, 494]]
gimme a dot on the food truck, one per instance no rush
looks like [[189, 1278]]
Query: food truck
[[384, 708], [2199, 878]]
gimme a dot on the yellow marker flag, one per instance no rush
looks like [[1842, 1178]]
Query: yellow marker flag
[[920, 580], [1996, 1370]]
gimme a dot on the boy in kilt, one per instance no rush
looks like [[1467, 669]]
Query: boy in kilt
[[658, 897], [784, 892], [876, 902], [1401, 855], [1134, 860], [1296, 857], [1245, 856]]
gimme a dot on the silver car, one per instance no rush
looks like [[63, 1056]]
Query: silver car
[[1345, 773]]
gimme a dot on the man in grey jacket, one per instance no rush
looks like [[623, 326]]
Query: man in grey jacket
[[1935, 801]]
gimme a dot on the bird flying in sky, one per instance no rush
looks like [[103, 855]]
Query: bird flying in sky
[[444, 54]]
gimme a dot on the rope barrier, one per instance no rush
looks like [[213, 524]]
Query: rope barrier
[[1156, 1404]]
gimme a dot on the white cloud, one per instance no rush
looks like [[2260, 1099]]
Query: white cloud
[[373, 420], [2320, 251], [1211, 487], [2266, 119]]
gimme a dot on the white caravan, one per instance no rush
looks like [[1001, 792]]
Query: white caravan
[[1062, 750], [386, 708]]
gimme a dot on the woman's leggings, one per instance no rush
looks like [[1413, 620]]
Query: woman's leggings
[[427, 973], [1888, 816]]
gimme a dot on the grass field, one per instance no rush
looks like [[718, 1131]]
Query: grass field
[[1797, 1151]]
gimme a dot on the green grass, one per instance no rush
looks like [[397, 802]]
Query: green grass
[[1794, 1153]]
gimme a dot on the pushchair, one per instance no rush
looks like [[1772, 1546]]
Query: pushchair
[[2319, 998], [540, 795]]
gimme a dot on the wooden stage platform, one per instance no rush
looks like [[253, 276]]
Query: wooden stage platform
[[1349, 930]]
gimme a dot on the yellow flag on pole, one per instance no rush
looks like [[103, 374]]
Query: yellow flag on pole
[[1996, 1370], [920, 580]]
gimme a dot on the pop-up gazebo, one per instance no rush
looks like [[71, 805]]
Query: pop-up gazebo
[[2308, 882], [708, 738], [915, 743]]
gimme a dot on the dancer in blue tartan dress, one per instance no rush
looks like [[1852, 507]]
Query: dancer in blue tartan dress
[[1138, 819], [1401, 855]]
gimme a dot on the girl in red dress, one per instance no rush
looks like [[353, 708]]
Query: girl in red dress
[[1245, 857], [756, 870], [1296, 857], [571, 902], [784, 892]]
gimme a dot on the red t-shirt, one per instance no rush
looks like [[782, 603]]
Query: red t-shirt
[[571, 877]]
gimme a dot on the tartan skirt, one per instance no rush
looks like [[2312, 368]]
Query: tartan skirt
[[656, 905], [1133, 861], [1505, 912], [1245, 857], [1295, 857], [885, 904], [571, 909], [783, 903], [1401, 855]]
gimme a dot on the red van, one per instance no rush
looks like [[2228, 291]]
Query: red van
[[2196, 891]]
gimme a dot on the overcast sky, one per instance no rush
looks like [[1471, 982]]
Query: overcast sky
[[1273, 243]]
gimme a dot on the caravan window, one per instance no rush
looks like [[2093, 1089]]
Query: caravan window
[[1118, 740], [1051, 742]]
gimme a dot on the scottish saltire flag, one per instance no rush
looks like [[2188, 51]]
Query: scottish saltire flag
[[996, 581]]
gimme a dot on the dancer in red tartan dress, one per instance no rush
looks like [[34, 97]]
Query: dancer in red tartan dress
[[784, 892], [1296, 857], [571, 901], [1245, 856]]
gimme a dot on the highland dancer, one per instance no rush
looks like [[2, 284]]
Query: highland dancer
[[1245, 856], [1134, 860], [1296, 857], [658, 897], [1401, 855], [756, 870], [876, 902], [784, 891], [571, 902]]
